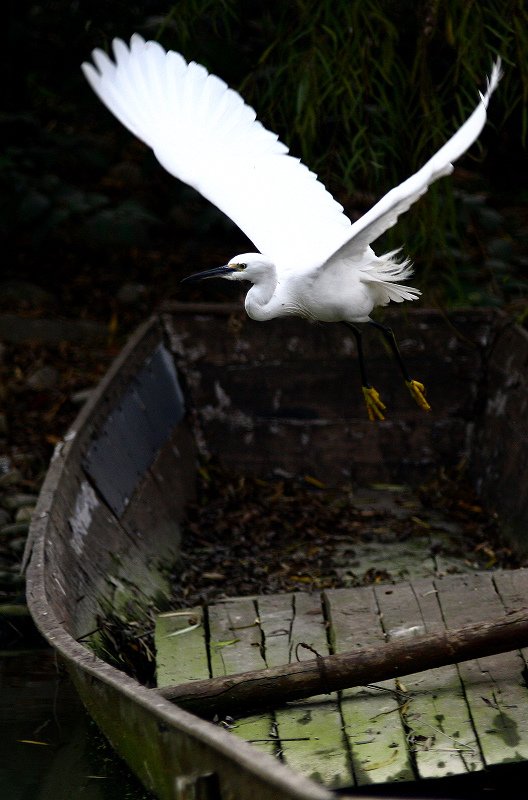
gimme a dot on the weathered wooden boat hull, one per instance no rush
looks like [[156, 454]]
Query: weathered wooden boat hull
[[81, 552], [263, 398]]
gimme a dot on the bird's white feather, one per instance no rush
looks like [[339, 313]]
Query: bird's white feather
[[203, 133], [384, 214]]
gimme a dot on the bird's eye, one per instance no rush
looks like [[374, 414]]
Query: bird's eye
[[242, 266]]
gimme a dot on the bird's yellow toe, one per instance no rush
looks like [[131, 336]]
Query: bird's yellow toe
[[417, 391], [374, 404]]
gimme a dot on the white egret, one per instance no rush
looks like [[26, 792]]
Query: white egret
[[313, 261]]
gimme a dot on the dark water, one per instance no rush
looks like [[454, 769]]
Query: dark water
[[49, 748]]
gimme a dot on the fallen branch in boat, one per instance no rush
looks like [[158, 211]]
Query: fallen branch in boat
[[267, 688]]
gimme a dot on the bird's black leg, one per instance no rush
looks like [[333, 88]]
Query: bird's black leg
[[416, 389], [374, 405]]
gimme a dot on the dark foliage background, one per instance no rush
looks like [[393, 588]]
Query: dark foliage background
[[363, 91]]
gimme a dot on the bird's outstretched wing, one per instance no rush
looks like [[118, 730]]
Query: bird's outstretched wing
[[384, 214], [203, 133]]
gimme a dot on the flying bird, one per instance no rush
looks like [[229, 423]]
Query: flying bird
[[313, 261]]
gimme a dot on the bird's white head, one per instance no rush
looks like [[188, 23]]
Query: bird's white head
[[252, 267]]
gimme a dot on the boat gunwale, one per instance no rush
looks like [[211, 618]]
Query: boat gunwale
[[258, 764]]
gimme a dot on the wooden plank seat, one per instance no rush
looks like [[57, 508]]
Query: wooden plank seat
[[448, 721]]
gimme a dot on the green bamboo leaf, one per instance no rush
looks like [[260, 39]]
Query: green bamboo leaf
[[226, 643]]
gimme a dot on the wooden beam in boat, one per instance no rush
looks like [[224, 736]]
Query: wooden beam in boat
[[326, 674]]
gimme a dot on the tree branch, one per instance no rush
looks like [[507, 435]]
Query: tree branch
[[267, 688]]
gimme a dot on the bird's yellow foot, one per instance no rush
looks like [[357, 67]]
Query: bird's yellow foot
[[374, 404], [417, 391]]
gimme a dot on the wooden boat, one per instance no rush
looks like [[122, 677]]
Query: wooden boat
[[262, 398]]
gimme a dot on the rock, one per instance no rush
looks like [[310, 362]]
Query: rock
[[15, 529], [16, 610], [10, 478], [15, 501], [43, 378], [17, 545], [24, 514]]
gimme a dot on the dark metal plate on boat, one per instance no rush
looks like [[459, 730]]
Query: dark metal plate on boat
[[136, 429]]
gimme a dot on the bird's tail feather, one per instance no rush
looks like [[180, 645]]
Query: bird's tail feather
[[386, 273]]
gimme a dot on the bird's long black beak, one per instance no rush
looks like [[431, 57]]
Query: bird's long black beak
[[217, 272]]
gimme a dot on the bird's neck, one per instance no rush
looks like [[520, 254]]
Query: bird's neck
[[259, 297]]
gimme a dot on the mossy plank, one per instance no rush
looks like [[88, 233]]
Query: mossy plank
[[495, 688], [235, 638], [181, 650], [276, 613], [439, 723], [235, 646], [512, 586], [360, 736], [371, 716], [310, 732]]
